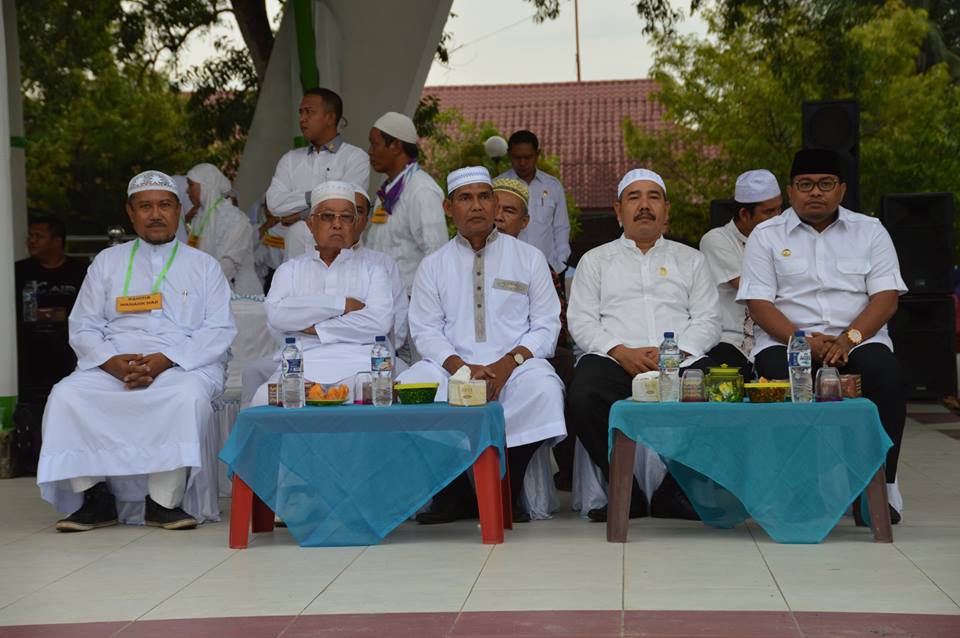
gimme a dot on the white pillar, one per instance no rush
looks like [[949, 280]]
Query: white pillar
[[18, 161], [8, 324]]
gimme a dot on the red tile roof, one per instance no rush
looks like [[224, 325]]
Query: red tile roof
[[580, 122]]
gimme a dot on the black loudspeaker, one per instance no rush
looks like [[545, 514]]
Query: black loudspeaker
[[722, 211], [921, 226], [922, 331], [835, 125]]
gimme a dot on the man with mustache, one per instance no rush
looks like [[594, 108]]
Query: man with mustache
[[625, 295], [486, 300], [326, 156], [834, 274], [150, 327], [333, 300]]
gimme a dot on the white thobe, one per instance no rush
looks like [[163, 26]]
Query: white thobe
[[92, 425], [301, 170], [307, 292], [723, 249], [416, 226], [620, 295], [267, 257], [228, 237], [820, 281], [300, 240], [480, 305], [549, 225]]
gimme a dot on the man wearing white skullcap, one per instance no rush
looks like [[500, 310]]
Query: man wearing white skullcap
[[222, 230], [758, 198], [333, 300], [486, 300], [150, 327], [626, 295], [325, 157], [407, 221]]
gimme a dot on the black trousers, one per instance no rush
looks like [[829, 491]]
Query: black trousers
[[599, 382], [729, 354], [460, 491], [563, 363], [882, 382]]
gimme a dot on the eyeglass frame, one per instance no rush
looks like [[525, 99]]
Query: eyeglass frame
[[343, 217], [832, 181]]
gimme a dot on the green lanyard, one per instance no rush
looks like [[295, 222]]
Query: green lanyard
[[160, 278], [206, 217]]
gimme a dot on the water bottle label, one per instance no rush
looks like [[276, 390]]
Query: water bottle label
[[670, 363], [292, 366], [799, 359], [381, 364]]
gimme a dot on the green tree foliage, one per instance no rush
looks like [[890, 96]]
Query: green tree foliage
[[734, 101]]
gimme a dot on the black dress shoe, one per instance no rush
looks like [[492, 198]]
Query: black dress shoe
[[669, 501], [439, 514], [99, 509], [157, 515], [520, 515], [638, 507], [860, 522]]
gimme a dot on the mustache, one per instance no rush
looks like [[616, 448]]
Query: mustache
[[644, 213], [157, 224]]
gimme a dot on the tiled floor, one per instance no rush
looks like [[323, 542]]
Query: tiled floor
[[557, 577]]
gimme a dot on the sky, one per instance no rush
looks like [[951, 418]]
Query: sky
[[497, 42]]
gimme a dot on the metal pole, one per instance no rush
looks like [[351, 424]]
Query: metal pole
[[576, 24], [8, 322]]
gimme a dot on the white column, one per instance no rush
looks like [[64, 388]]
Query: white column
[[8, 325]]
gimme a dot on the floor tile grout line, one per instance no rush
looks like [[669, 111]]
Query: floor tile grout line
[[332, 581], [763, 557], [921, 570], [623, 585], [473, 585], [74, 571]]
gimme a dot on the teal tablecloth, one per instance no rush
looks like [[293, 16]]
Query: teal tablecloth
[[793, 468], [348, 475]]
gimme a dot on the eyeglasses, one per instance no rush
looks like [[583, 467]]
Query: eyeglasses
[[825, 185], [327, 217]]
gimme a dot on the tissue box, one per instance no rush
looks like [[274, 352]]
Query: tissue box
[[646, 387], [467, 393]]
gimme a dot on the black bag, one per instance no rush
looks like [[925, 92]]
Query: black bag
[[28, 423]]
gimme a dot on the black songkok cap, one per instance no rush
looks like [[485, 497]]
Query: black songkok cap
[[816, 161]]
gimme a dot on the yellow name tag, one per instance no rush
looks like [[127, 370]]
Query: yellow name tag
[[273, 241], [140, 303], [193, 241], [379, 216]]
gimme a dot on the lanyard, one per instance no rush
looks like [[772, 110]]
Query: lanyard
[[160, 278], [206, 217]]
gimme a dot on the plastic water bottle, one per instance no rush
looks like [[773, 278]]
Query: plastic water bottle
[[381, 367], [669, 369], [291, 374], [30, 302], [800, 361]]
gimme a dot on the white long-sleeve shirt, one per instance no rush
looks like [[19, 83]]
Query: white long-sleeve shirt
[[193, 329], [480, 305], [549, 225], [228, 238], [415, 228], [299, 171], [723, 249], [620, 295], [820, 281]]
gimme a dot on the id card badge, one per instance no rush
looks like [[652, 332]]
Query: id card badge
[[273, 241], [379, 216], [193, 241], [140, 303]]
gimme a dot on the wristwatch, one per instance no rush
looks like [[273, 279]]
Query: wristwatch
[[519, 358], [855, 336]]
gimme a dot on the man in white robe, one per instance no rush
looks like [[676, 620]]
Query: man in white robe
[[334, 301], [150, 327], [220, 229], [487, 301], [326, 157], [272, 233]]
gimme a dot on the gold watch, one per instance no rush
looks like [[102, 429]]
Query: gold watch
[[855, 336], [519, 358]]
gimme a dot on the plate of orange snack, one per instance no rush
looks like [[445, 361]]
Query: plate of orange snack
[[330, 394]]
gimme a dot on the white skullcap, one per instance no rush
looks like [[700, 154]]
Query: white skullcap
[[756, 186], [359, 190], [468, 175], [332, 190], [152, 181], [397, 125], [637, 175]]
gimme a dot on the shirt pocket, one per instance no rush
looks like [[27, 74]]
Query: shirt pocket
[[186, 310], [790, 266], [852, 273], [511, 304]]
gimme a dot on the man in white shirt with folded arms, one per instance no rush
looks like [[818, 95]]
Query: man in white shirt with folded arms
[[626, 294]]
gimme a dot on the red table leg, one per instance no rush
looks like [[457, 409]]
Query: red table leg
[[621, 486], [507, 498], [241, 505], [486, 473], [879, 507]]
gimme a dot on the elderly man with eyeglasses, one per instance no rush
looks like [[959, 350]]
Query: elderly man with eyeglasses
[[834, 274], [333, 300]]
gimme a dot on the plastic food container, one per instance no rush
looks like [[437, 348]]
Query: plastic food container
[[772, 392]]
